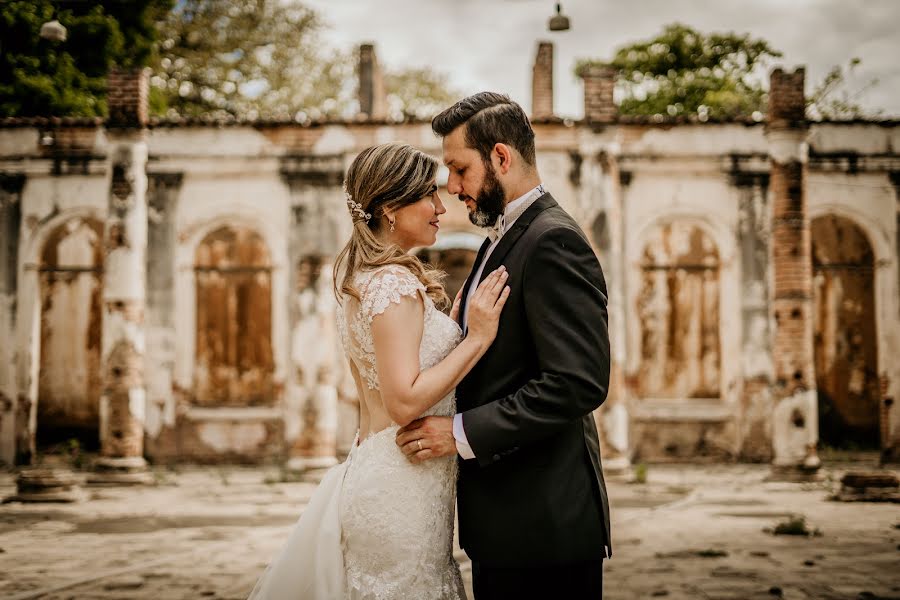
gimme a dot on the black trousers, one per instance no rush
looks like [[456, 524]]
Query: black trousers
[[577, 581]]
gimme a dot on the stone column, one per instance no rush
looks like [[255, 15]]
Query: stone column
[[10, 222], [162, 201], [313, 354], [609, 236], [542, 82], [795, 415], [319, 227], [756, 345], [122, 404]]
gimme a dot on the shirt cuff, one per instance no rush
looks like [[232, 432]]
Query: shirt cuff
[[462, 442]]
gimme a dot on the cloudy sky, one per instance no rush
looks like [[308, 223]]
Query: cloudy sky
[[490, 44]]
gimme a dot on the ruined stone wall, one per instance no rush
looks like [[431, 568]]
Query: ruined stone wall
[[11, 185], [679, 214], [53, 199], [852, 192], [682, 305]]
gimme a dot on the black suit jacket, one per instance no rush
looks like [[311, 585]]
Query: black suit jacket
[[534, 495]]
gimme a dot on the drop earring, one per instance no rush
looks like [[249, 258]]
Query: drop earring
[[392, 226]]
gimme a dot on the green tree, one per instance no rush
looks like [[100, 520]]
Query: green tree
[[245, 58], [265, 58], [685, 72], [40, 77], [418, 93]]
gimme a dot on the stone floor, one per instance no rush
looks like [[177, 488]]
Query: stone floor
[[698, 531]]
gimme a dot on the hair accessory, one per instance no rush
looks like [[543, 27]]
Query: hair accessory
[[356, 210]]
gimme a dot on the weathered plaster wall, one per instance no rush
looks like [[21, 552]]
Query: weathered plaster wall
[[624, 183], [692, 191]]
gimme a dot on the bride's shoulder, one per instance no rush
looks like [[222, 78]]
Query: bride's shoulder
[[388, 275], [385, 285]]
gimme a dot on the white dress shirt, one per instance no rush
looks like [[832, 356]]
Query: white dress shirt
[[512, 212]]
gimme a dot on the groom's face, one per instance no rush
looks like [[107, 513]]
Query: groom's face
[[473, 180]]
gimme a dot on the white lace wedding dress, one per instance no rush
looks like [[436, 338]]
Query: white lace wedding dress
[[378, 527]]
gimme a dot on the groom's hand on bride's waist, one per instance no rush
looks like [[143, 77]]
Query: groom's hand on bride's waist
[[428, 437]]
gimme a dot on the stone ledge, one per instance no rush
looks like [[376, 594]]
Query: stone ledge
[[680, 409]]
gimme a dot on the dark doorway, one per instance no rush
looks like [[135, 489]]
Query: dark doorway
[[845, 335]]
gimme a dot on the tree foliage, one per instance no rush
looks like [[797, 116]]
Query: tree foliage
[[685, 72], [244, 58], [834, 99], [40, 77], [418, 93], [248, 58], [265, 58]]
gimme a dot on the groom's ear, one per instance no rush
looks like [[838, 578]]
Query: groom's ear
[[504, 156]]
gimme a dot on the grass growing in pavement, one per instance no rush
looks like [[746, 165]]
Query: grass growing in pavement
[[795, 525]]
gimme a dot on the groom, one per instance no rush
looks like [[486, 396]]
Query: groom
[[533, 512]]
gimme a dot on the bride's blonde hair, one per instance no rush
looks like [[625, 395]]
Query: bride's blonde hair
[[382, 178]]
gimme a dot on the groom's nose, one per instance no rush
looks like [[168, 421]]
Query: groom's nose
[[454, 187]]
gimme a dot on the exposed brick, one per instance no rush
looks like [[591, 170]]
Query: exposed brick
[[542, 82], [792, 344], [599, 83], [127, 97], [787, 102]]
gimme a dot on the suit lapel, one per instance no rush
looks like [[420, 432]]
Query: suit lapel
[[510, 237], [465, 293]]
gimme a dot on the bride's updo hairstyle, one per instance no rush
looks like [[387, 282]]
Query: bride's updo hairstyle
[[382, 178]]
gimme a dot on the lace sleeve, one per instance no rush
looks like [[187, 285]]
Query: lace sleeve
[[388, 285]]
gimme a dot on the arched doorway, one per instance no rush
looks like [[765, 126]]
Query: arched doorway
[[234, 364], [678, 308], [454, 253], [69, 380], [845, 336]]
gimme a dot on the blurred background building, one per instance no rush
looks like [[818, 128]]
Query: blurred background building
[[179, 270]]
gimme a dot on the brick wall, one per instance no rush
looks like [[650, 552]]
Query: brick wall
[[791, 250], [127, 94], [599, 82], [787, 102], [542, 82]]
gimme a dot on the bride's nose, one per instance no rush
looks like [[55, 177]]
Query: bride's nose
[[439, 208]]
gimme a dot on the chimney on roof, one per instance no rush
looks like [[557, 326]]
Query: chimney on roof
[[787, 103], [372, 96], [127, 96], [599, 83], [542, 82]]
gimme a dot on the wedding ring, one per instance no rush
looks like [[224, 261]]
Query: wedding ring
[[419, 442]]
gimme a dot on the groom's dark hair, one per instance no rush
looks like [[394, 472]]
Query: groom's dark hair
[[490, 118]]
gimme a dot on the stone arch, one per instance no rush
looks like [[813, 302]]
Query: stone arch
[[69, 264], [845, 333], [678, 305], [233, 349], [455, 253]]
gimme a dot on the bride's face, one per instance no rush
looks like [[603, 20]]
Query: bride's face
[[417, 224]]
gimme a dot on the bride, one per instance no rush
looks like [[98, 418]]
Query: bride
[[378, 526]]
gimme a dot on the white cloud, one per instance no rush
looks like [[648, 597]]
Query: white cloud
[[490, 44]]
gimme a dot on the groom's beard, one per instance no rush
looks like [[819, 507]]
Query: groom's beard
[[490, 202]]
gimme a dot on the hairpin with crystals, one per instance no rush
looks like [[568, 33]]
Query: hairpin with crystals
[[356, 209]]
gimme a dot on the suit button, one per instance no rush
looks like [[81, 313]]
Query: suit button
[[496, 457]]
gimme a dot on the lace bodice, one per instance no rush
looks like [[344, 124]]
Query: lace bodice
[[379, 289], [397, 517]]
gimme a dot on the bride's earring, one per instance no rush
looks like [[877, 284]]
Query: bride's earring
[[392, 226]]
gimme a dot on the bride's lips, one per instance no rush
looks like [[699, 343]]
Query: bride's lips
[[435, 224]]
